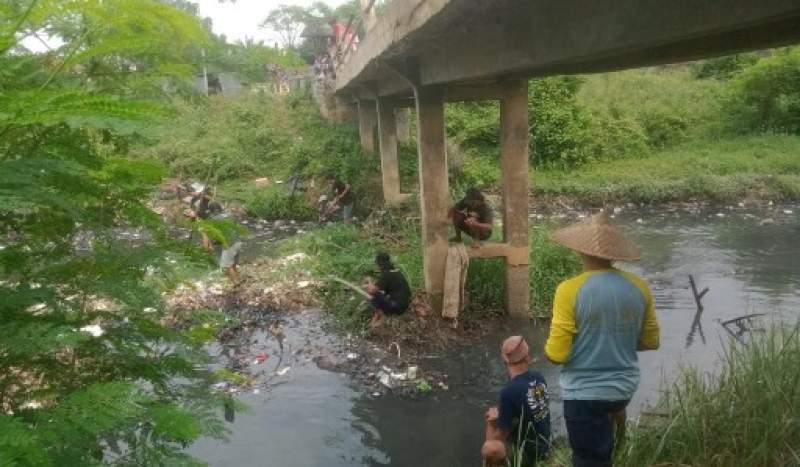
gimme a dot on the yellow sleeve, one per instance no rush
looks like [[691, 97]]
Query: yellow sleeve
[[650, 336], [562, 324]]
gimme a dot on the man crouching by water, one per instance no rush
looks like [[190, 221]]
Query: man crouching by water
[[391, 295], [523, 417], [601, 318]]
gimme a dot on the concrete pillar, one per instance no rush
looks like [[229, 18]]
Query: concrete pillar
[[433, 187], [402, 117], [514, 163], [367, 120], [390, 167]]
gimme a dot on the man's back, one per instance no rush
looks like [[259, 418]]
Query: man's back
[[525, 410], [609, 314]]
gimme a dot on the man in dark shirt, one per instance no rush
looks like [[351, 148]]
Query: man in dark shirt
[[391, 295], [473, 216], [523, 417]]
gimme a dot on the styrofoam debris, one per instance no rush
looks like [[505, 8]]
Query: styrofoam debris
[[303, 284], [283, 371], [93, 329]]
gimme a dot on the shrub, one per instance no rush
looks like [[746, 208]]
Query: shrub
[[766, 96], [558, 122]]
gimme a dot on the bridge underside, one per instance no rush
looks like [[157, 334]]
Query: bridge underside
[[423, 53]]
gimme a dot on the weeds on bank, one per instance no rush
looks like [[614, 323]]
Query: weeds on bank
[[745, 416], [763, 166], [348, 251]]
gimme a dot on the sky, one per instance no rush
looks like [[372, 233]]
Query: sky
[[240, 19]]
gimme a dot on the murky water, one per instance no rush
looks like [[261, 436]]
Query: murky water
[[748, 258]]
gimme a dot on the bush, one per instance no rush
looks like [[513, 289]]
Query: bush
[[655, 108], [766, 96], [558, 122]]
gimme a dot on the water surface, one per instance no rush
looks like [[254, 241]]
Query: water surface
[[748, 258]]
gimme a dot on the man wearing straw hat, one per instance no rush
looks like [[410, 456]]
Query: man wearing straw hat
[[601, 318], [523, 416]]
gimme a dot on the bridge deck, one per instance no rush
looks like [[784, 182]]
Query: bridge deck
[[478, 41]]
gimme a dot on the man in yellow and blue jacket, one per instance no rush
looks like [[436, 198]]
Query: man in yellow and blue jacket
[[601, 318]]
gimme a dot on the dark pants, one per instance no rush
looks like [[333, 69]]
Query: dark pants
[[460, 224], [386, 304], [591, 434]]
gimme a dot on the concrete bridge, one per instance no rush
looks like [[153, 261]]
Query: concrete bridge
[[424, 53]]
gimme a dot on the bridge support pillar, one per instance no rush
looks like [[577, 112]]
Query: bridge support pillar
[[402, 116], [514, 162], [390, 167], [367, 119], [433, 187]]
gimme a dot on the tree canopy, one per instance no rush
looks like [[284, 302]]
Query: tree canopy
[[88, 373]]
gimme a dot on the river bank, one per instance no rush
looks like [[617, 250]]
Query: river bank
[[742, 252]]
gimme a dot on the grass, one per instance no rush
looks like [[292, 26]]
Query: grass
[[347, 251], [765, 167], [745, 416]]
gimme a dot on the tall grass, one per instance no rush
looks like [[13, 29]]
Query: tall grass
[[745, 416]]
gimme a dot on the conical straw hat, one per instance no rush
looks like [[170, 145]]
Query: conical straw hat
[[598, 236]]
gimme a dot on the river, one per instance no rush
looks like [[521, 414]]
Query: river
[[747, 257]]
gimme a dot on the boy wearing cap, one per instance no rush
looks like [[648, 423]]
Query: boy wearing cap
[[601, 318], [523, 416]]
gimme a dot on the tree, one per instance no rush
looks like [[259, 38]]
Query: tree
[[88, 374], [288, 22]]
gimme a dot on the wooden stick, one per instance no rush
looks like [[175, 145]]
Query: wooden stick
[[697, 296], [351, 286]]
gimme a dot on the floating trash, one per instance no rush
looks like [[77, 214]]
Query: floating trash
[[261, 358], [283, 371]]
